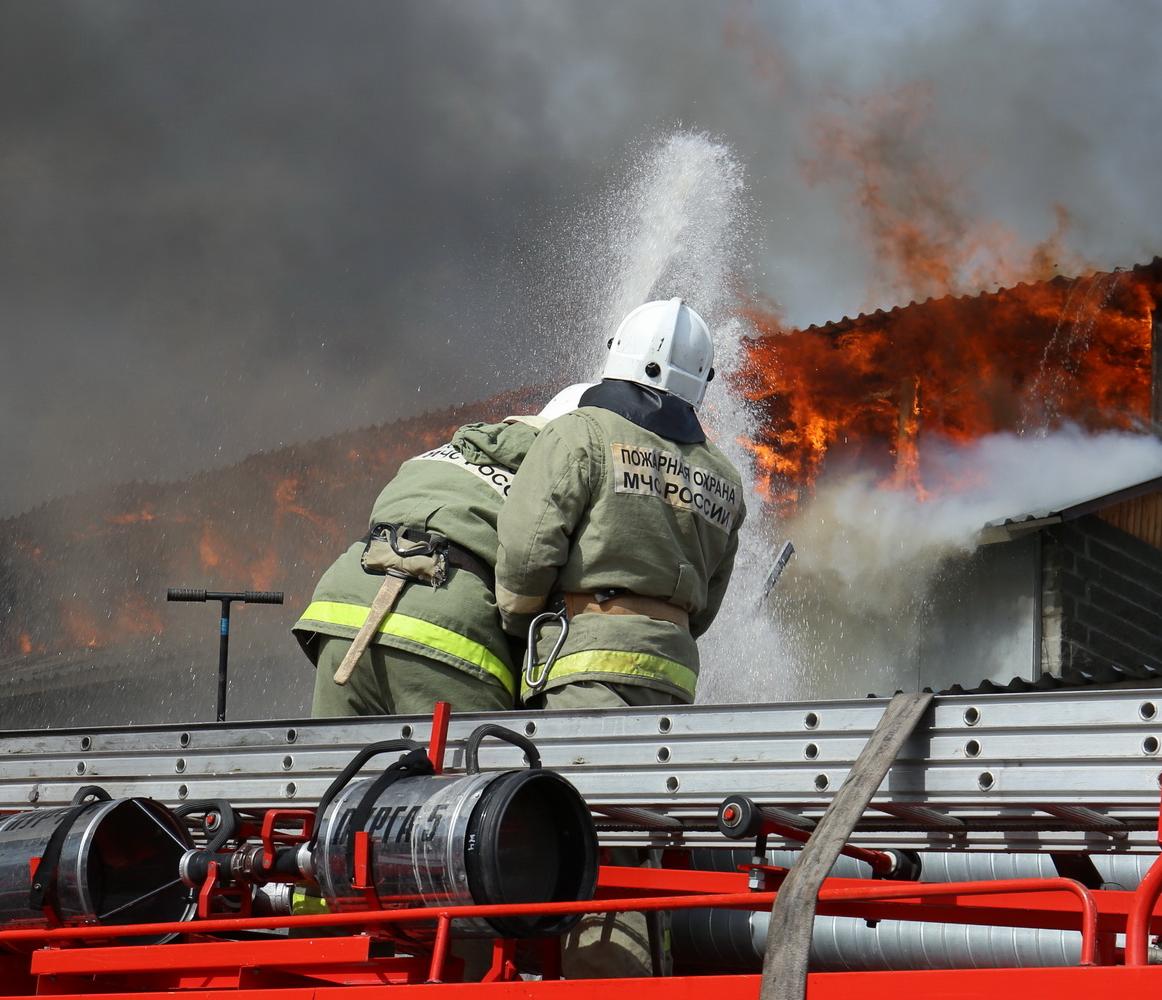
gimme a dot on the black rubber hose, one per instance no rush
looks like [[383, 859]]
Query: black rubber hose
[[412, 764], [226, 817], [472, 746], [286, 861], [349, 772], [95, 792]]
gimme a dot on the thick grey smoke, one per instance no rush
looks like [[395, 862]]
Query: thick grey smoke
[[880, 546], [860, 600], [229, 226]]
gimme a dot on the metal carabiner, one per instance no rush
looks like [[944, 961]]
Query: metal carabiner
[[535, 683]]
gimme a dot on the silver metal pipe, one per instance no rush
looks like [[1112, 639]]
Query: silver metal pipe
[[734, 941], [118, 864], [849, 944], [488, 837], [1118, 871]]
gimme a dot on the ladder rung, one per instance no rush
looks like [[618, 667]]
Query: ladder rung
[[921, 815], [1086, 819]]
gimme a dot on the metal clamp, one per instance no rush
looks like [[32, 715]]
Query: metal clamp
[[532, 681]]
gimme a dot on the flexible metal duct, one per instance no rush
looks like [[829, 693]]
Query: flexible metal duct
[[1118, 871], [848, 944], [734, 940]]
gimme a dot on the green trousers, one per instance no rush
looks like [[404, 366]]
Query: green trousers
[[610, 945], [391, 681]]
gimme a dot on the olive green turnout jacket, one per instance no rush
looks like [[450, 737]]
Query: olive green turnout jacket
[[457, 490], [600, 502]]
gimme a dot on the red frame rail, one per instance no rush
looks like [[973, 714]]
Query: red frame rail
[[961, 984], [215, 959], [208, 966]]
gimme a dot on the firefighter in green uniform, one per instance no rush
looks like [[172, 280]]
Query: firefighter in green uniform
[[439, 637], [624, 520]]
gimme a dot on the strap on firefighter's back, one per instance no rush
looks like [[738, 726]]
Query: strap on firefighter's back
[[426, 556], [624, 603]]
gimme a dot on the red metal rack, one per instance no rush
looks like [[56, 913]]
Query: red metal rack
[[222, 957], [207, 963]]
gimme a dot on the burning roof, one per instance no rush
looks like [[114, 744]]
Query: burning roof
[[866, 390], [88, 573], [83, 579]]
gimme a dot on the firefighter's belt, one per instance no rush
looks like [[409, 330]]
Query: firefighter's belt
[[625, 604]]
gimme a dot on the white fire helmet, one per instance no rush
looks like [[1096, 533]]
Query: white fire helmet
[[565, 401], [666, 345]]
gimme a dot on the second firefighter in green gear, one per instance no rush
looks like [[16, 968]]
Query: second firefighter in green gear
[[437, 642], [625, 517]]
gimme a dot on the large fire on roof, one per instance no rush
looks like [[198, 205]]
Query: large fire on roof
[[1027, 359], [862, 392]]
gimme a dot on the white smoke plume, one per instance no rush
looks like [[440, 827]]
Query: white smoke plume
[[868, 555], [862, 534]]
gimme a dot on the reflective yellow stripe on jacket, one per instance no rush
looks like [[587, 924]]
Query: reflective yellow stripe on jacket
[[611, 662], [416, 630]]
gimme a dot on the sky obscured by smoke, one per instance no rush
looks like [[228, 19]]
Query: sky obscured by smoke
[[226, 227]]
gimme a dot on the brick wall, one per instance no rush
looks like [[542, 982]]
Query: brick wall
[[1101, 599]]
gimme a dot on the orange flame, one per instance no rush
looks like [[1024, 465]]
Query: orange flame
[[275, 521], [137, 616], [911, 206], [286, 501], [210, 548], [82, 628], [143, 516], [868, 390]]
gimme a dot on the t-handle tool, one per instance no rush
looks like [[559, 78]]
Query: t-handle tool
[[227, 597]]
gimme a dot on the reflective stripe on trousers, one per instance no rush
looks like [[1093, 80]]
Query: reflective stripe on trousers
[[611, 664], [417, 630]]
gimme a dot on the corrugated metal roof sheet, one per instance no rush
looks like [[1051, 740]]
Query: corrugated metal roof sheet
[[847, 322], [1103, 676], [1071, 510]]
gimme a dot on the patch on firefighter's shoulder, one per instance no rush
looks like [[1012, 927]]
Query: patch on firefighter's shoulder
[[496, 476], [667, 476]]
